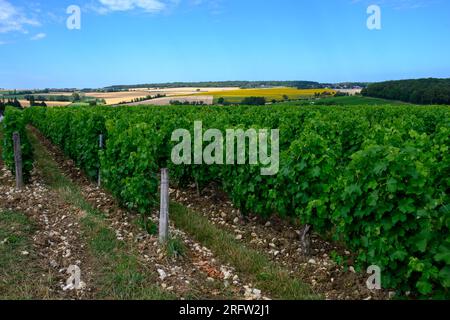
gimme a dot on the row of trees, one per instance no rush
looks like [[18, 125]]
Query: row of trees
[[41, 91], [10, 102], [16, 103], [215, 84], [254, 101], [149, 97], [248, 101], [420, 91], [49, 97], [33, 102], [146, 98], [186, 103]]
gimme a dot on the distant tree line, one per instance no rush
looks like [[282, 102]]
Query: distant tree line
[[341, 94], [22, 92], [240, 84], [254, 101], [10, 102], [249, 101], [186, 103], [420, 91], [215, 84], [65, 98], [40, 91], [33, 102], [149, 97], [146, 98]]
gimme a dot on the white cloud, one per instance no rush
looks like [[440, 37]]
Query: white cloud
[[12, 19], [39, 36], [126, 5], [104, 7]]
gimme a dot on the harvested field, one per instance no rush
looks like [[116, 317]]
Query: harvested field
[[118, 97], [129, 96]]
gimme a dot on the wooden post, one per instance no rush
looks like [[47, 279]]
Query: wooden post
[[100, 145], [18, 160], [164, 209], [305, 239]]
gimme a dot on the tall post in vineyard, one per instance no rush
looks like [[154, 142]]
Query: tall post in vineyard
[[18, 160], [100, 145], [164, 209]]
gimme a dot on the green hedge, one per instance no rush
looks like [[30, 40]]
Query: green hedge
[[14, 122], [375, 178]]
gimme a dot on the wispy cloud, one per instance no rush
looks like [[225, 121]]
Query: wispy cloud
[[39, 36], [152, 6], [127, 5], [13, 19]]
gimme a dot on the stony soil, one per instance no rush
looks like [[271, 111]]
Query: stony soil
[[57, 238]]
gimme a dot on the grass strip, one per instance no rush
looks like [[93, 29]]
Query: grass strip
[[21, 276], [263, 273]]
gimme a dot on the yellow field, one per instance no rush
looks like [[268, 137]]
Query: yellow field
[[270, 94]]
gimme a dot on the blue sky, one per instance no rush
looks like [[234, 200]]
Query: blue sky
[[146, 41]]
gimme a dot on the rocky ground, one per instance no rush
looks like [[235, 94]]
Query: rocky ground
[[280, 240], [57, 239]]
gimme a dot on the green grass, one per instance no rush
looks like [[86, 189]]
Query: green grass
[[175, 247], [354, 101], [338, 101], [263, 273], [20, 275], [79, 104], [118, 273]]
